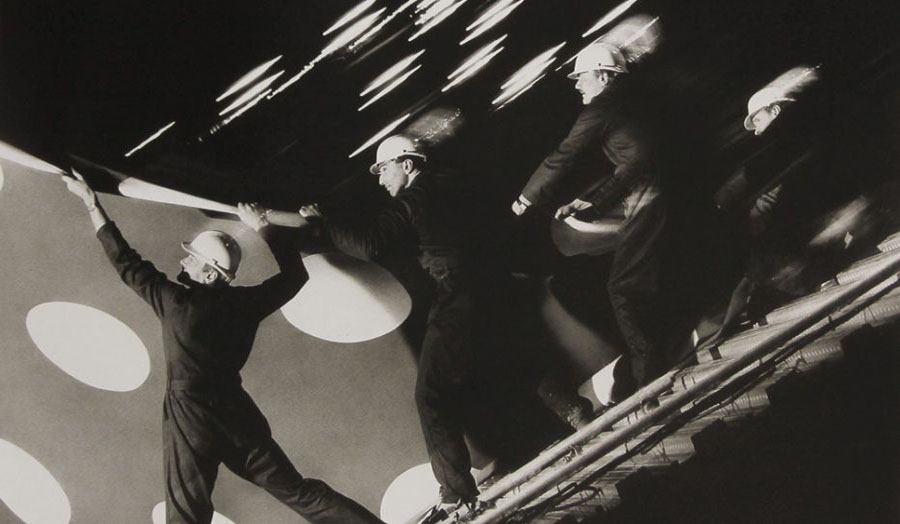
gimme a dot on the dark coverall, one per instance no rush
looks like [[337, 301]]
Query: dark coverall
[[208, 418], [431, 215], [635, 277]]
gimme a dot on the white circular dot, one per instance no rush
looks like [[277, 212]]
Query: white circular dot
[[90, 345], [29, 489], [347, 300]]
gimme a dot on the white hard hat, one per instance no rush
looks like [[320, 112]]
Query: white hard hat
[[761, 100], [394, 147], [218, 250], [599, 56]]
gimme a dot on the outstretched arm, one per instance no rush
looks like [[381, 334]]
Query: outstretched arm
[[77, 186], [554, 171], [140, 275]]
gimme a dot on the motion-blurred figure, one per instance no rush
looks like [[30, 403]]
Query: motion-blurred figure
[[625, 182], [776, 191], [208, 331]]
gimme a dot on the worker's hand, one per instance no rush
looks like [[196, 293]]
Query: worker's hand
[[311, 210], [571, 208], [520, 205], [762, 210], [78, 187], [253, 215]]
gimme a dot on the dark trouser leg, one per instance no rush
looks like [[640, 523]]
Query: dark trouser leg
[[190, 466], [634, 285], [441, 389], [267, 466], [253, 455]]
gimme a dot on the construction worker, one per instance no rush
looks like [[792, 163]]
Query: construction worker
[[428, 213], [624, 182], [208, 330]]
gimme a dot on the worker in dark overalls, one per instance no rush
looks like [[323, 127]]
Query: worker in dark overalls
[[429, 214], [208, 331]]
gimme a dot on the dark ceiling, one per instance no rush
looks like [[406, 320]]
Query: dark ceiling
[[95, 79]]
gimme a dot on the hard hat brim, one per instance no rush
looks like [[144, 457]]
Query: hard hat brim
[[206, 260], [377, 165], [574, 75]]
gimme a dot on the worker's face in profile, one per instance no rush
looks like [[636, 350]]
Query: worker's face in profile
[[590, 84], [194, 270], [393, 175], [764, 118]]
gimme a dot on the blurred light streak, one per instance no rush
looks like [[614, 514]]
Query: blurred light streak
[[442, 15], [152, 137], [492, 22], [352, 32], [843, 221], [472, 70], [390, 87], [476, 56], [341, 40], [349, 15], [254, 73], [247, 106], [639, 33], [391, 72], [526, 88], [527, 75], [609, 17], [381, 24], [252, 92], [494, 9], [381, 134]]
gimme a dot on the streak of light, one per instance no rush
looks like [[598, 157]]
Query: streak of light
[[349, 15], [391, 72], [527, 75], [151, 138], [431, 24], [252, 92], [381, 134], [494, 9], [476, 56], [492, 22], [352, 32], [526, 88], [341, 40], [639, 33], [472, 70], [252, 75], [246, 106], [609, 17], [381, 24], [390, 87]]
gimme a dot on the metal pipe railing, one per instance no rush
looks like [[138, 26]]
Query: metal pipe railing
[[674, 403]]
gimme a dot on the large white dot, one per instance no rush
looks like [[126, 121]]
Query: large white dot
[[412, 492], [347, 300], [29, 490], [159, 515], [90, 345]]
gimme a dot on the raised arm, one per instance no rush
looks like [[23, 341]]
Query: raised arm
[[264, 299], [140, 275]]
